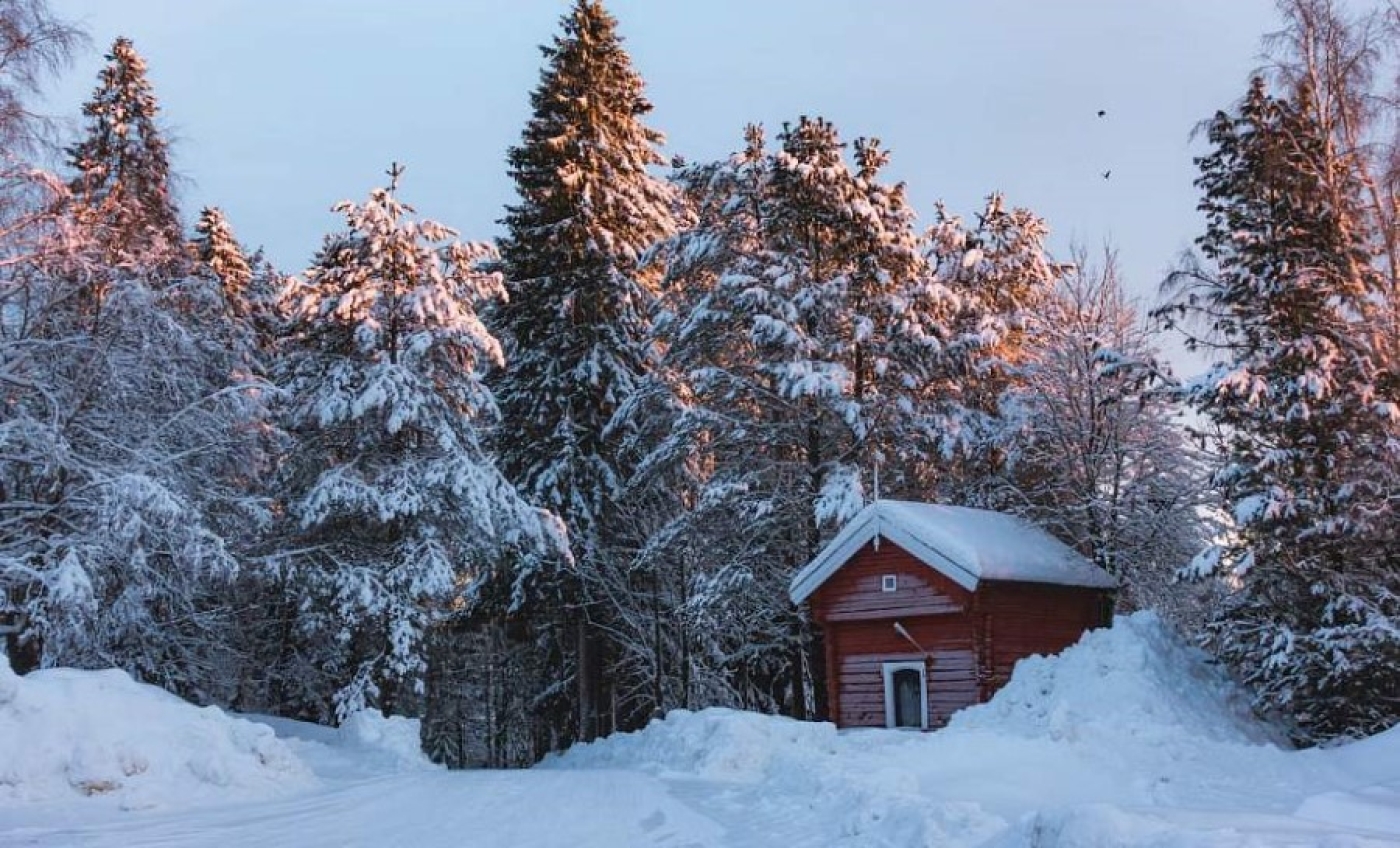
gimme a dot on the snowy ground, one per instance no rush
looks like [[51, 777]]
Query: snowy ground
[[1126, 740]]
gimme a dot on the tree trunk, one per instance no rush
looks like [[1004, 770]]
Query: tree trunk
[[25, 649], [587, 686]]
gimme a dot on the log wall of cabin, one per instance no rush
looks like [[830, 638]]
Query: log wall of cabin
[[860, 648], [857, 618], [972, 640], [1018, 620]]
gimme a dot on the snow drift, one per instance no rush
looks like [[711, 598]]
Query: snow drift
[[1129, 739], [1136, 680], [1107, 744], [719, 744], [395, 738], [367, 743], [1135, 684], [66, 733]]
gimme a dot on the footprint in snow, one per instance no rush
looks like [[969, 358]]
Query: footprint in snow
[[653, 821]]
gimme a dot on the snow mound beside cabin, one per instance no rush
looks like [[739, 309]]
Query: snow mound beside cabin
[[1130, 718], [67, 734], [849, 784], [1137, 679], [715, 743]]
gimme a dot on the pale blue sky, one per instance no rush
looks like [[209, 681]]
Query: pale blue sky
[[279, 108]]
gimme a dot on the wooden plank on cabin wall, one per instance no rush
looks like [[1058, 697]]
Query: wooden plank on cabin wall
[[867, 645], [854, 592], [832, 639], [1029, 619]]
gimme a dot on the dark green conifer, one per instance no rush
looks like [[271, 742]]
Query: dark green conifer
[[576, 324]]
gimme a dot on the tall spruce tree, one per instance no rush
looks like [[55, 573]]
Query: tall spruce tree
[[1285, 299], [576, 323], [121, 189], [1000, 275], [397, 511]]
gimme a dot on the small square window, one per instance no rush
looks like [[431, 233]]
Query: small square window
[[889, 583]]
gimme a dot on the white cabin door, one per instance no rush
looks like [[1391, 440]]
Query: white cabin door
[[906, 695]]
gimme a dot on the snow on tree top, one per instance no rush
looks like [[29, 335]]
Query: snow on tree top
[[966, 545]]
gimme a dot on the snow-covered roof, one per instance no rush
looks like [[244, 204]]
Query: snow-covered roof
[[966, 545]]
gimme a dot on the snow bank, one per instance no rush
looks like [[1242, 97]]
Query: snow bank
[[1367, 774], [394, 738], [1129, 739], [99, 734], [1137, 680], [718, 744], [857, 786], [1070, 753]]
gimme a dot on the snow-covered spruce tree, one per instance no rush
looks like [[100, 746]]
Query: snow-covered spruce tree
[[576, 323], [1000, 275], [1284, 298], [136, 431], [1345, 55], [245, 325], [248, 299], [1098, 456], [805, 322], [121, 188], [216, 248], [125, 440], [398, 511]]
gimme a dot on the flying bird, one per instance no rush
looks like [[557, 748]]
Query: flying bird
[[1107, 174], [1102, 113]]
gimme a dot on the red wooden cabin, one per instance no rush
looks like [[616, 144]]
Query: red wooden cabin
[[925, 608]]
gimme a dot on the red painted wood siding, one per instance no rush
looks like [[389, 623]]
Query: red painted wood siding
[[1022, 619], [858, 648], [853, 593], [974, 639]]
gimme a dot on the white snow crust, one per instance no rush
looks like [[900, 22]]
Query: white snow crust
[[101, 737], [1129, 739]]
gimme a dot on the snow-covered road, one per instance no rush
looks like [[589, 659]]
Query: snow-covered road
[[608, 808], [526, 809]]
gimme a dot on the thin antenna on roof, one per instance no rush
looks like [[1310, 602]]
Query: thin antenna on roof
[[876, 487]]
